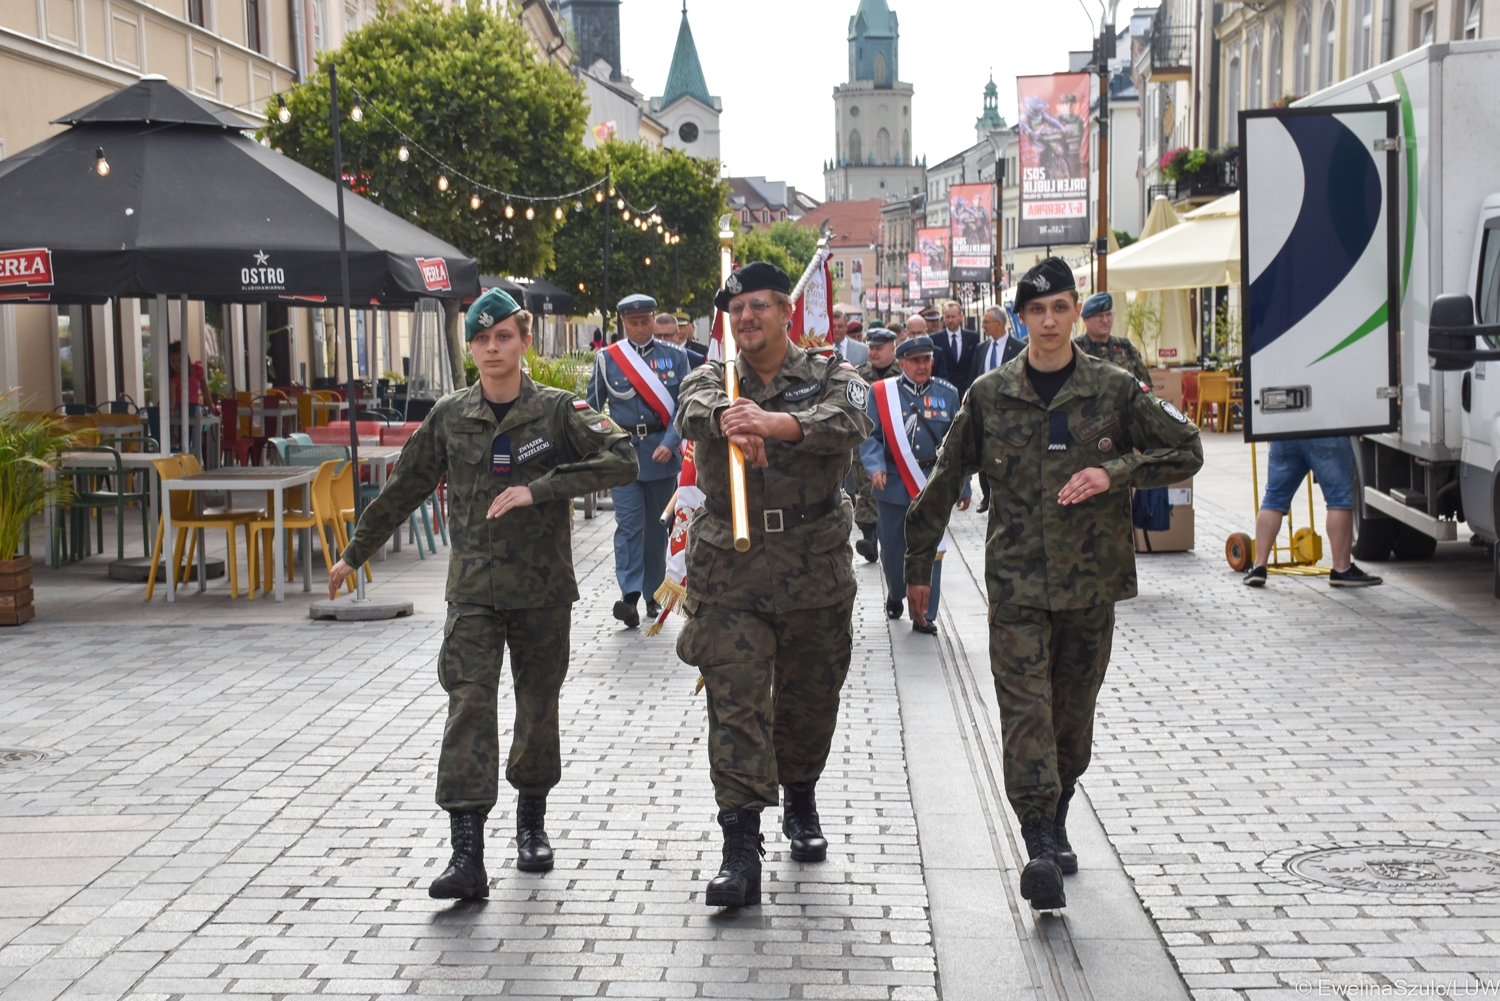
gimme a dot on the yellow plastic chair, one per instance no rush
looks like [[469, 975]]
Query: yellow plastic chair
[[340, 502], [325, 396], [185, 520], [1213, 390], [291, 520], [305, 418]]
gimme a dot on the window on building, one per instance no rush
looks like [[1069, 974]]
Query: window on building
[[1277, 86], [252, 25], [906, 146], [195, 12], [319, 26], [1364, 36], [1472, 10], [880, 69], [1328, 45], [1253, 96], [856, 148], [1424, 26], [1302, 55], [882, 146], [838, 270], [1232, 100], [688, 132]]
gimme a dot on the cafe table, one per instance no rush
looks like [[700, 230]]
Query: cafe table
[[70, 463], [272, 479], [285, 418]]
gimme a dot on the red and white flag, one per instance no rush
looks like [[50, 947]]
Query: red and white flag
[[643, 379], [689, 498], [814, 307]]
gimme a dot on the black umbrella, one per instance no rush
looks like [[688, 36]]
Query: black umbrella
[[188, 205], [536, 294]]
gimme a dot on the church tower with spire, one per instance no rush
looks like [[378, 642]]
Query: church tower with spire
[[689, 112], [991, 120], [872, 115]]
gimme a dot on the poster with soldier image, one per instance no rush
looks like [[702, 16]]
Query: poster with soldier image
[[914, 276], [1054, 135], [932, 247], [971, 230]]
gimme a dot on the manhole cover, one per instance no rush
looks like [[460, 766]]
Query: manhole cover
[[1426, 869], [20, 757]]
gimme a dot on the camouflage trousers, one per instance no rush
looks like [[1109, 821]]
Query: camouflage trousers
[[865, 511], [474, 642], [1048, 667], [773, 684]]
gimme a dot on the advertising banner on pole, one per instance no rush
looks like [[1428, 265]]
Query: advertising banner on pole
[[883, 299], [895, 300], [914, 276], [1054, 137], [932, 247], [971, 231]]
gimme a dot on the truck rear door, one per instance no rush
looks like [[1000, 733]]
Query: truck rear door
[[1319, 266]]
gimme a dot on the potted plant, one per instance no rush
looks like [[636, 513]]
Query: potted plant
[[27, 443]]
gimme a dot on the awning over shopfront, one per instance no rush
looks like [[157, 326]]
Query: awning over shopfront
[[1202, 252], [153, 191], [537, 294]]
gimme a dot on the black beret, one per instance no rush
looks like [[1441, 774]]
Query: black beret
[[1047, 277], [756, 276]]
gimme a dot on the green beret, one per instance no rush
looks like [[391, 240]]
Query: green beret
[[488, 310]]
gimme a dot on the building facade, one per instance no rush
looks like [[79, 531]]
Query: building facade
[[872, 115]]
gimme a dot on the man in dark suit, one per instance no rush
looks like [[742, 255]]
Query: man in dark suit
[[997, 348], [956, 346]]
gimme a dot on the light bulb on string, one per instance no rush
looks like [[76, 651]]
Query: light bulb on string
[[530, 212], [442, 178], [510, 211], [402, 153], [627, 215], [620, 204], [101, 165], [598, 196], [578, 205], [557, 213], [580, 286], [474, 197], [611, 192], [658, 227], [648, 262], [356, 112], [283, 113]]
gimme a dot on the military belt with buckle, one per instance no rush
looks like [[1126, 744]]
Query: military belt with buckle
[[775, 520], [647, 429]]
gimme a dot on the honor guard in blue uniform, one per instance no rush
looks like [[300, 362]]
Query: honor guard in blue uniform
[[638, 378], [925, 408]]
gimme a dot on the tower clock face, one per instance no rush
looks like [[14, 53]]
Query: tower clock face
[[688, 133]]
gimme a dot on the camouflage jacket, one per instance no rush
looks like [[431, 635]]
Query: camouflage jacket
[[1040, 553], [561, 448], [872, 375], [1117, 351], [807, 566]]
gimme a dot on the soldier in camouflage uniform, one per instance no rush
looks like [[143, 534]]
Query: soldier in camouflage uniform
[[1063, 437], [515, 454], [882, 365], [1098, 316], [770, 628]]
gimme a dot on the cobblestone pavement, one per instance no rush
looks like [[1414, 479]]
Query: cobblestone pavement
[[252, 810], [246, 809]]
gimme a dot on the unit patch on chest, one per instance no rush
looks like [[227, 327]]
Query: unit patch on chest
[[532, 448], [857, 392]]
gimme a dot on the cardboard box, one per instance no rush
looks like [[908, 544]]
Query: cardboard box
[[1166, 383], [1178, 538]]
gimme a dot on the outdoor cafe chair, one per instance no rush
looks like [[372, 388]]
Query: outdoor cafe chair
[[119, 407], [291, 520], [1213, 391], [246, 448], [185, 519], [305, 418], [341, 501], [76, 409], [92, 495], [400, 436]]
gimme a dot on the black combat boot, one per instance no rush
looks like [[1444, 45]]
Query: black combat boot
[[869, 545], [626, 612], [738, 881], [1041, 880], [1067, 860], [465, 878], [533, 851], [799, 822]]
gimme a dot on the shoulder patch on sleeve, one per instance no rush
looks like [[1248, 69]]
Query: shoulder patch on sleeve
[[602, 425], [857, 392], [1172, 412], [847, 365]]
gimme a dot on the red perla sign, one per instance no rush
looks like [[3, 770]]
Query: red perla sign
[[26, 267], [434, 273]]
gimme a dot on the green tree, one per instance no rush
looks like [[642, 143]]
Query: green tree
[[688, 196], [463, 84], [784, 244]]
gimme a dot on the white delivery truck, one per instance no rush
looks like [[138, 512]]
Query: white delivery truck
[[1383, 189]]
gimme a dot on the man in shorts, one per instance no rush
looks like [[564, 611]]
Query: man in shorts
[[1332, 459]]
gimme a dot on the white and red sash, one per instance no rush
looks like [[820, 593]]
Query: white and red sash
[[893, 425], [645, 381]]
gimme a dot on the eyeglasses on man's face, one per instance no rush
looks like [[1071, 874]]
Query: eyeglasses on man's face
[[757, 306]]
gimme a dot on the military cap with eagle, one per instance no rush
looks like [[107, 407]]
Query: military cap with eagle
[[1047, 277]]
